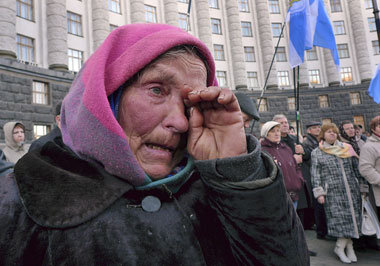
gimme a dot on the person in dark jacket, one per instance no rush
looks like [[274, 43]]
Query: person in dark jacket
[[248, 108], [55, 133], [283, 156], [153, 168], [313, 129], [5, 167]]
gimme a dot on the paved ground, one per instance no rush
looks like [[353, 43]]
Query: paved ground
[[327, 257]]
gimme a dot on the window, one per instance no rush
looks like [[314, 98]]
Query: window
[[283, 78], [372, 24], [114, 6], [25, 48], [276, 29], [281, 54], [263, 105], [243, 5], [40, 130], [339, 27], [346, 74], [326, 120], [150, 14], [314, 77], [359, 120], [291, 103], [182, 22], [375, 46], [253, 82], [336, 6], [246, 29], [25, 9], [221, 76], [75, 58], [74, 23], [112, 27], [368, 4], [312, 54], [219, 52], [216, 26], [343, 50], [274, 6], [40, 93], [324, 101], [249, 52], [213, 3], [183, 1], [355, 98]]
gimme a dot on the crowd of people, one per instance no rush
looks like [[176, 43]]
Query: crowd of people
[[327, 173], [150, 164]]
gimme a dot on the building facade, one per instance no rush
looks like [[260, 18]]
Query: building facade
[[53, 38]]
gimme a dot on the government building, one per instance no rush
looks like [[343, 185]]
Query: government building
[[44, 43]]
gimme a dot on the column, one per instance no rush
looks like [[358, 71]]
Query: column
[[137, 11], [204, 22], [8, 28], [100, 22], [360, 41], [57, 34], [236, 42], [333, 76], [171, 12], [266, 42]]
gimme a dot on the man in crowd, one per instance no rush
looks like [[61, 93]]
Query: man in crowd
[[313, 129], [348, 135], [248, 109]]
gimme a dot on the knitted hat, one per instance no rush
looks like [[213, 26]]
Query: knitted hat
[[267, 127], [247, 105]]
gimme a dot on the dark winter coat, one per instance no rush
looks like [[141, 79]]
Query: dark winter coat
[[5, 167], [74, 213], [283, 156], [56, 132]]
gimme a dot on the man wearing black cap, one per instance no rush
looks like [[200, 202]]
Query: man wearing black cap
[[248, 108], [313, 129]]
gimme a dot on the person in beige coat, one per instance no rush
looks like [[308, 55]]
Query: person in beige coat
[[369, 163], [15, 141]]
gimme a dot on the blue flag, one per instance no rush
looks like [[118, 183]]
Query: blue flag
[[374, 86], [309, 26]]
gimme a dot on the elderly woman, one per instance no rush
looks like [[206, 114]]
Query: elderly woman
[[283, 156], [369, 162], [335, 179], [154, 169]]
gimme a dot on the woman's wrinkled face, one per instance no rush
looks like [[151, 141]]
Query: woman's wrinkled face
[[152, 112], [330, 136], [274, 135]]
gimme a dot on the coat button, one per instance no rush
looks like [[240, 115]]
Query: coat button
[[151, 204]]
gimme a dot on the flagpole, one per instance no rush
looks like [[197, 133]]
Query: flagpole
[[298, 104], [377, 19], [270, 68]]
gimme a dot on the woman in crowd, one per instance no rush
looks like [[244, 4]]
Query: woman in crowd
[[369, 162], [335, 179], [14, 140], [283, 156], [153, 168]]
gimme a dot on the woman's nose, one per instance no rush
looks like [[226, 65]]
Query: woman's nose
[[176, 119]]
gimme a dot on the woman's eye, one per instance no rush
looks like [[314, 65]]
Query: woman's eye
[[156, 90]]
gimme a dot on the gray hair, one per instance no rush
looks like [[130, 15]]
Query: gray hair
[[278, 117]]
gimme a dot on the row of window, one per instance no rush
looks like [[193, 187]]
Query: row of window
[[323, 100]]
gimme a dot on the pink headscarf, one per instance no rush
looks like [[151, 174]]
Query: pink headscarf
[[88, 125]]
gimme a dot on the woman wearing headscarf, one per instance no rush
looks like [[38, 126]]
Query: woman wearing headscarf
[[335, 178], [348, 135], [154, 169], [283, 156], [15, 146]]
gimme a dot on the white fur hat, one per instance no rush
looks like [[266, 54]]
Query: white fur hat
[[267, 127]]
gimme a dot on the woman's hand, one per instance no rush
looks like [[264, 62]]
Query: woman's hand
[[321, 200], [216, 128]]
